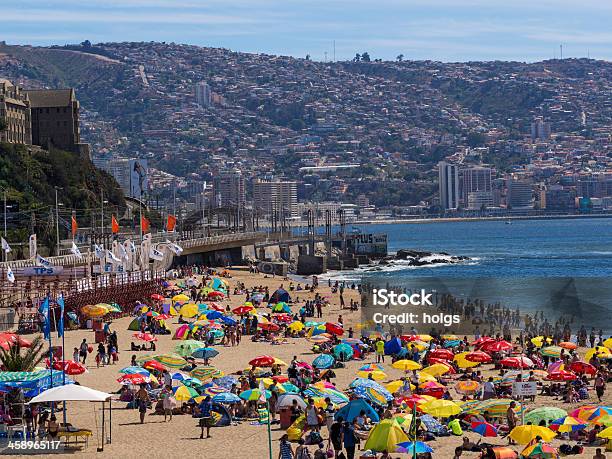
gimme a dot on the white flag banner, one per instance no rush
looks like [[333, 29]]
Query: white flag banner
[[156, 254], [41, 261], [110, 257], [10, 275], [121, 252], [176, 249], [75, 250], [33, 246], [5, 246], [99, 251]]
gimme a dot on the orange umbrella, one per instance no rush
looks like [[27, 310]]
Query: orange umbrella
[[568, 345], [467, 387]]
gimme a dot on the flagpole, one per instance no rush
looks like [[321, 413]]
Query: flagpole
[[269, 432]]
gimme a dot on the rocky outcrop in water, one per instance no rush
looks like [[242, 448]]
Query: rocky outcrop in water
[[422, 258]]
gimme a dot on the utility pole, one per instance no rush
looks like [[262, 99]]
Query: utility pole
[[57, 223], [102, 207]]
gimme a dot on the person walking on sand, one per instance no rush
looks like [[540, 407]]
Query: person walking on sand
[[512, 419], [600, 385], [83, 348], [285, 450], [142, 400], [206, 418]]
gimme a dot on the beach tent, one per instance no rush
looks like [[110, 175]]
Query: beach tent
[[71, 393], [280, 295], [31, 382], [393, 346], [386, 436], [134, 325], [352, 409]]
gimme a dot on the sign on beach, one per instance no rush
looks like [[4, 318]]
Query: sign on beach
[[524, 389]]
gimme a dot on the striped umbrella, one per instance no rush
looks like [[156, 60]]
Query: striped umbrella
[[467, 387], [226, 397], [205, 373], [551, 351], [184, 393], [495, 407], [484, 429], [94, 310], [171, 360], [133, 370], [254, 394]]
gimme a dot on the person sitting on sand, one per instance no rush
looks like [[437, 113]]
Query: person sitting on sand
[[598, 454]]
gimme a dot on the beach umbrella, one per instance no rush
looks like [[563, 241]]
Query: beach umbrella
[[495, 407], [180, 297], [205, 353], [371, 367], [517, 362], [334, 328], [551, 351], [546, 414], [189, 310], [539, 341], [571, 346], [320, 339], [417, 447], [205, 373], [561, 375], [242, 310], [226, 397], [343, 352], [93, 311], [283, 318], [114, 307], [526, 433], [153, 365], [443, 354], [467, 387], [606, 433], [437, 369], [497, 346], [582, 368], [597, 351], [226, 381], [406, 365], [540, 451], [373, 394], [134, 378], [188, 347], [286, 401], [484, 429], [70, 367], [394, 386], [157, 297], [324, 361], [152, 314], [134, 370], [504, 452], [268, 326], [440, 408], [281, 307], [296, 326], [254, 394], [478, 356], [482, 340], [386, 435], [262, 361], [216, 294], [170, 360], [600, 415], [184, 393], [147, 337], [376, 375], [462, 363], [567, 424]]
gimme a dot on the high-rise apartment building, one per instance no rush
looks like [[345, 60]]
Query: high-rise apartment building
[[204, 95], [448, 183], [520, 194], [229, 189], [275, 197], [476, 185], [540, 129]]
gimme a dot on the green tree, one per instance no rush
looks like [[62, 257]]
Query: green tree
[[400, 58], [365, 57], [3, 125], [357, 57], [14, 360]]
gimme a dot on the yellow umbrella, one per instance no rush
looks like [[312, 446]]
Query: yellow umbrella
[[189, 310], [278, 361], [606, 433], [376, 375], [96, 310], [608, 343], [296, 326], [394, 386], [440, 408], [426, 377], [180, 297], [406, 365], [426, 338], [437, 369], [600, 351], [524, 434], [462, 362], [538, 341], [450, 337], [184, 393], [467, 387]]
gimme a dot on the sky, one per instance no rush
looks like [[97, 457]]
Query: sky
[[443, 30]]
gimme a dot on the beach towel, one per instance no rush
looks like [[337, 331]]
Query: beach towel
[[434, 426]]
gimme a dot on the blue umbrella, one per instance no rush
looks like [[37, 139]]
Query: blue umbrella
[[415, 447], [205, 353], [226, 397], [72, 316], [226, 381], [323, 361], [228, 320], [202, 308], [452, 343], [135, 370], [212, 315], [352, 409], [343, 352]]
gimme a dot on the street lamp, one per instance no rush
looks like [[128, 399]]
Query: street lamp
[[57, 249], [102, 202]]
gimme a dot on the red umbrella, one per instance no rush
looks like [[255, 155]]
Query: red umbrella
[[443, 354], [285, 318], [216, 307], [154, 365], [334, 329], [517, 362], [280, 379], [135, 378], [409, 337], [157, 296], [242, 310], [561, 375], [269, 326], [478, 356], [215, 295], [497, 346], [482, 340], [70, 367], [144, 336], [162, 317], [582, 368], [262, 361]]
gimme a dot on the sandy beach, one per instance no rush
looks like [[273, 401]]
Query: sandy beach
[[180, 437]]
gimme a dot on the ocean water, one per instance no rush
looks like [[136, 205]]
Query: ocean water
[[558, 266]]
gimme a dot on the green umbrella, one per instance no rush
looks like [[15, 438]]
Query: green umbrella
[[188, 347], [547, 414]]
